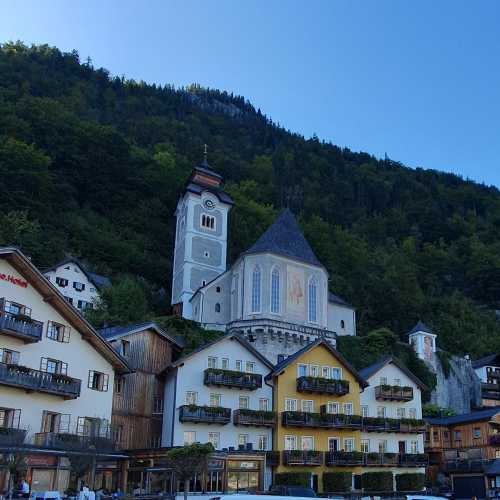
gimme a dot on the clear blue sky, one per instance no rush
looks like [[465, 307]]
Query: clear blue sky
[[419, 80]]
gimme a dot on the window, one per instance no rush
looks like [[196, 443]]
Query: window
[[325, 372], [16, 309], [364, 411], [365, 446], [336, 373], [349, 444], [413, 413], [208, 222], [262, 442], [457, 435], [275, 291], [83, 304], [9, 418], [397, 381], [383, 380], [281, 357], [263, 404], [225, 363], [125, 347], [157, 404], [9, 357], [217, 308], [189, 437], [290, 442], [382, 446], [333, 444], [62, 282], [92, 290], [314, 371], [348, 409], [244, 402], [290, 404], [332, 407], [212, 362], [256, 289], [55, 422], [342, 324], [50, 365], [435, 435], [239, 365], [215, 399], [476, 433], [69, 299], [301, 370], [79, 287], [307, 406], [98, 381], [250, 367], [214, 438], [381, 411], [307, 443], [414, 447], [400, 412], [312, 301], [191, 397], [242, 439], [56, 331], [119, 384]]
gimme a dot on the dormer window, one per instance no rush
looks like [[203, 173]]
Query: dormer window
[[208, 222]]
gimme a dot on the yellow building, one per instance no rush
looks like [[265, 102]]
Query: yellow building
[[316, 395]]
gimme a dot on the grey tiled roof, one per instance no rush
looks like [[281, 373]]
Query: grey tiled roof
[[420, 327], [474, 416], [112, 332], [98, 280], [492, 360], [338, 300], [284, 237]]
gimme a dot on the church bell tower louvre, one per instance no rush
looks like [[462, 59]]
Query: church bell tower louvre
[[201, 235]]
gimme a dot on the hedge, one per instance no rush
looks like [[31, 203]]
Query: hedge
[[293, 479], [377, 481], [337, 482], [410, 482]]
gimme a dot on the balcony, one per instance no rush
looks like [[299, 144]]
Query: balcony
[[300, 457], [272, 458], [381, 459], [12, 437], [30, 380], [323, 386], [493, 373], [320, 420], [230, 378], [21, 326], [75, 442], [204, 414], [466, 465], [414, 460], [344, 458], [254, 417], [393, 393], [406, 425]]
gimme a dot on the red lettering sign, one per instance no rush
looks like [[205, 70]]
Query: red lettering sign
[[39, 460], [15, 281]]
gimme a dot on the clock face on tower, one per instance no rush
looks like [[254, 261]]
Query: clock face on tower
[[209, 204]]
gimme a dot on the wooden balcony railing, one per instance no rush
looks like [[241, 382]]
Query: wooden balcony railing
[[323, 385], [466, 465], [10, 436], [304, 458], [320, 420], [254, 417], [393, 393], [230, 378], [353, 458], [76, 442], [20, 326], [379, 459], [380, 424], [414, 460], [344, 458], [36, 380], [204, 414]]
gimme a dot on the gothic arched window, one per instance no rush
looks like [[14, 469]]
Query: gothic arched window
[[312, 301], [256, 289], [217, 308], [275, 291]]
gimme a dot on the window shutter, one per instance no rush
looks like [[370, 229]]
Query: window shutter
[[43, 364], [44, 421], [91, 377], [105, 382], [16, 419], [15, 357], [66, 333], [64, 368], [64, 422], [80, 426]]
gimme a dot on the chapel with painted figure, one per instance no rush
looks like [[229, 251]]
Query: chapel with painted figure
[[276, 293]]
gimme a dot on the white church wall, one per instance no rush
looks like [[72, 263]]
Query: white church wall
[[341, 320], [215, 303]]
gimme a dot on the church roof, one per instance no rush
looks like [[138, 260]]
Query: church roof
[[338, 300], [203, 178], [492, 360], [420, 327], [284, 237]]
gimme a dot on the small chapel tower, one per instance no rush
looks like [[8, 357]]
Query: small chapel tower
[[201, 235], [423, 341]]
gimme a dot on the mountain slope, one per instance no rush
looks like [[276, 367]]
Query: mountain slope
[[92, 165]]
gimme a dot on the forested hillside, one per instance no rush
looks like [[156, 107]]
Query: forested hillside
[[91, 165]]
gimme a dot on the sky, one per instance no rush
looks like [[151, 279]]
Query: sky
[[418, 81]]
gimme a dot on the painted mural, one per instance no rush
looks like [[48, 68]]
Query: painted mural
[[296, 293]]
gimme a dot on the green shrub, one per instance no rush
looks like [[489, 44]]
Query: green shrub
[[410, 482], [337, 482], [377, 481], [293, 479]]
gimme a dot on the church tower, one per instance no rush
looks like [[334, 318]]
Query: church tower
[[201, 236]]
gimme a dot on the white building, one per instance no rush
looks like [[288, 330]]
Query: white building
[[56, 373], [392, 409], [79, 287], [423, 341], [275, 294], [488, 371]]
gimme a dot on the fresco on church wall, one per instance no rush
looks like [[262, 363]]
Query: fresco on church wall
[[296, 294], [428, 347]]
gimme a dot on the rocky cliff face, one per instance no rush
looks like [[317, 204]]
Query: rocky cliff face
[[460, 390]]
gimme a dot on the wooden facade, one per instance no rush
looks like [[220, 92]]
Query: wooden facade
[[138, 396]]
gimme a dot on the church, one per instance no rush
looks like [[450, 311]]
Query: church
[[275, 294]]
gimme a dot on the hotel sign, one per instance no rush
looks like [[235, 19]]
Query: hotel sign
[[12, 279]]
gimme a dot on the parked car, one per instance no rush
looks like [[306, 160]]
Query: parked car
[[292, 491]]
